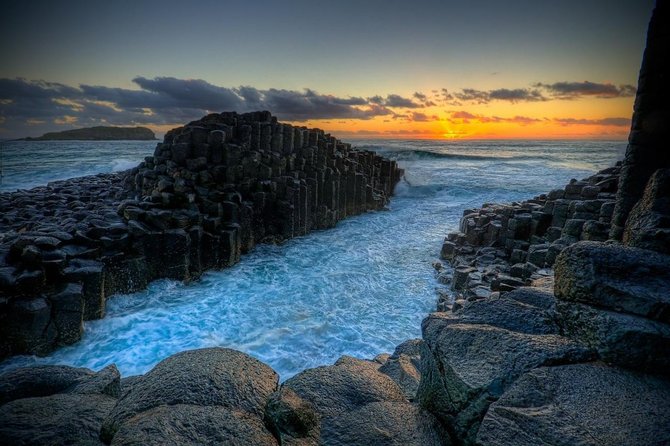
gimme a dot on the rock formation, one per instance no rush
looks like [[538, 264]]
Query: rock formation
[[213, 189], [648, 141]]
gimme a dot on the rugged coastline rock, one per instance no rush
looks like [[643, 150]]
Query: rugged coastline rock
[[212, 190], [99, 134]]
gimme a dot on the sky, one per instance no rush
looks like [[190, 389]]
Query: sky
[[358, 69]]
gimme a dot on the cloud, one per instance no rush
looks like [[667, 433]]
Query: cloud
[[463, 117], [572, 90], [614, 122], [539, 92], [169, 100]]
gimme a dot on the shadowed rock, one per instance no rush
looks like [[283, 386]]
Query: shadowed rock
[[616, 278], [648, 225], [585, 404], [54, 420], [39, 381], [185, 424], [205, 377]]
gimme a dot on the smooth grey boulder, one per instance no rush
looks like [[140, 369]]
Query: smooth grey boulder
[[615, 277], [54, 420], [471, 365], [622, 339], [187, 424], [203, 377], [648, 224], [384, 424], [583, 404], [42, 380]]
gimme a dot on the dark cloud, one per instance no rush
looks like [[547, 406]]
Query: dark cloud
[[572, 90], [420, 96], [614, 122], [501, 94], [463, 117], [539, 92], [422, 117], [167, 100], [394, 100]]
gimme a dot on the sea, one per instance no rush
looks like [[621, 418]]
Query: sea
[[358, 289]]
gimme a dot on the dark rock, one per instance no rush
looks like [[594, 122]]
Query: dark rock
[[204, 377], [609, 276], [336, 389], [621, 339], [585, 404], [54, 420], [471, 365], [648, 225], [404, 366], [293, 419], [188, 424], [384, 423], [648, 139], [105, 382], [39, 381]]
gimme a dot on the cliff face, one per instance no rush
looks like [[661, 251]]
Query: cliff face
[[99, 134], [648, 141], [213, 189]]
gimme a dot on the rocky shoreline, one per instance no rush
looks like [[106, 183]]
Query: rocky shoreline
[[582, 358], [212, 190]]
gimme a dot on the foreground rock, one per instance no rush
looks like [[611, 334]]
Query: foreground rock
[[233, 385], [350, 402], [53, 405], [212, 190], [585, 404], [477, 353]]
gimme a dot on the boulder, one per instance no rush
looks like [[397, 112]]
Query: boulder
[[54, 420], [187, 424], [335, 389], [584, 404], [615, 277], [39, 381], [204, 377], [384, 424], [351, 403], [471, 365]]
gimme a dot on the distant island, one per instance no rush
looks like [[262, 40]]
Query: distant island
[[99, 133]]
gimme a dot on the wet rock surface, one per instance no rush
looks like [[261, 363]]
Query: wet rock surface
[[212, 190]]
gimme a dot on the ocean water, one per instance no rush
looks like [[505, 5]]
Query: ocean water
[[26, 164], [358, 289]]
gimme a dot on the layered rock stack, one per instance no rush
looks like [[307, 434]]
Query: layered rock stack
[[213, 189], [501, 247]]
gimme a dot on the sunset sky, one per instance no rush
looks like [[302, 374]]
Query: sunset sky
[[358, 69]]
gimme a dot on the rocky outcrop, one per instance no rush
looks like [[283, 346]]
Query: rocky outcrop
[[503, 247], [213, 190], [648, 140], [99, 134]]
